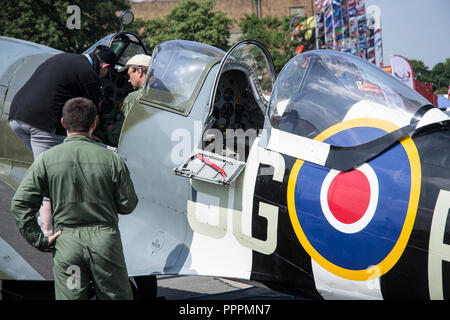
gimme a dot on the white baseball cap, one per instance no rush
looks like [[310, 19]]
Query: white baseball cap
[[140, 60]]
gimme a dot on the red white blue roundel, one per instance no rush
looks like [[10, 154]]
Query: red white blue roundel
[[359, 188], [352, 222]]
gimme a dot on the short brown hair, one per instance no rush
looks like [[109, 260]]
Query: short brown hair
[[79, 114]]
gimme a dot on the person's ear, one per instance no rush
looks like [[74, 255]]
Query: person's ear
[[141, 73], [63, 124], [94, 124]]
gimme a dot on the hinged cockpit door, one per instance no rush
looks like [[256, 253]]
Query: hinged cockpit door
[[224, 165], [124, 44], [255, 56]]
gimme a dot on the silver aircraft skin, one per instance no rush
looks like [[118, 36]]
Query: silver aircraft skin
[[329, 181]]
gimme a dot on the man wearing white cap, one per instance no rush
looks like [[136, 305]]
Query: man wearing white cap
[[136, 68]]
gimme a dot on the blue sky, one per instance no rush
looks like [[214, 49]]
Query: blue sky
[[415, 29]]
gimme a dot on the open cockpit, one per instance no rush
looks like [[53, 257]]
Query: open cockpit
[[237, 115], [238, 100]]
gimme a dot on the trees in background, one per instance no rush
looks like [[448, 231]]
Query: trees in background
[[439, 75], [45, 21], [275, 33], [189, 20]]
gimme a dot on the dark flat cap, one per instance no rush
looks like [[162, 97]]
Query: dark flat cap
[[106, 54]]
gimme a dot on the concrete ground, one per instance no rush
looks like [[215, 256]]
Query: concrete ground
[[212, 288]]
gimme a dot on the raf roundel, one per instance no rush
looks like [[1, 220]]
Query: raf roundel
[[351, 222], [349, 199]]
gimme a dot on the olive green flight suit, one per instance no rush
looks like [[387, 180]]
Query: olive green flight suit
[[88, 185], [114, 134]]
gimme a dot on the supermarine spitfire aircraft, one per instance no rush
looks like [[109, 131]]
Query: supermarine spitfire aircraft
[[331, 181]]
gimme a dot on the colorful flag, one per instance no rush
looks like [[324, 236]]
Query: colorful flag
[[320, 30], [362, 28], [345, 26], [353, 27], [319, 5], [375, 49], [402, 70], [329, 31], [337, 25], [299, 49], [293, 20]]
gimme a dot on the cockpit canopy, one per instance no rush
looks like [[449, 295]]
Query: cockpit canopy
[[177, 72], [319, 89], [124, 44]]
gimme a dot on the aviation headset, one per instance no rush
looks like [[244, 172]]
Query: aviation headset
[[102, 54]]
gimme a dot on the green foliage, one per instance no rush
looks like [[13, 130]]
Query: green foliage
[[189, 20], [421, 71], [276, 36], [439, 75], [44, 21]]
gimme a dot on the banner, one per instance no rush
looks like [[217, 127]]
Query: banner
[[320, 31], [402, 70], [346, 26], [319, 5], [362, 28], [375, 50], [330, 42], [353, 26], [337, 25]]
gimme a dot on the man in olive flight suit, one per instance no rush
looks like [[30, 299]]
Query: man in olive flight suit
[[88, 186]]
